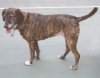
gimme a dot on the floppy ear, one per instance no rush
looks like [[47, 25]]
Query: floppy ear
[[3, 14], [19, 16]]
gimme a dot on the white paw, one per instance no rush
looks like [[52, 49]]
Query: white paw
[[73, 67], [59, 56], [27, 63]]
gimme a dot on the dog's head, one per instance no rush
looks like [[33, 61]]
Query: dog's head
[[12, 18]]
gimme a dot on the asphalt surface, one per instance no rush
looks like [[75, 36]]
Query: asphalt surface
[[46, 3], [14, 51]]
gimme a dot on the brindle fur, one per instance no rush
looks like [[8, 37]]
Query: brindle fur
[[34, 27]]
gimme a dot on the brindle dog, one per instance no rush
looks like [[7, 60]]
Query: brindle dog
[[34, 27]]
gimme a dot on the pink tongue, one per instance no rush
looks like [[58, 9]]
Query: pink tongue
[[8, 30]]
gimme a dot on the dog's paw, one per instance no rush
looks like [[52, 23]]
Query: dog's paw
[[27, 63], [61, 57], [73, 67]]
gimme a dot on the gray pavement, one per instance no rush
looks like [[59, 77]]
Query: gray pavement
[[47, 3], [14, 51]]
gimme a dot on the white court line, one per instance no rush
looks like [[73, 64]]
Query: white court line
[[52, 7]]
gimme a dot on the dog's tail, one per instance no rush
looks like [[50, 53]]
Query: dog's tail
[[88, 15]]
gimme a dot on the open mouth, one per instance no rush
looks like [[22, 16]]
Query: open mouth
[[9, 28]]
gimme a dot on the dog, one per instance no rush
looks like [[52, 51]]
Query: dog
[[34, 27]]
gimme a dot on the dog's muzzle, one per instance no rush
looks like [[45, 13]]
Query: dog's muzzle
[[10, 28]]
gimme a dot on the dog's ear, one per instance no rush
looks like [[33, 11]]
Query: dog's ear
[[3, 14], [19, 16]]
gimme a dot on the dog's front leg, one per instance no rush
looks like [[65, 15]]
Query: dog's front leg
[[37, 50], [32, 53]]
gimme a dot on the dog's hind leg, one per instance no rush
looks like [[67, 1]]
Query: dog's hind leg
[[37, 56], [66, 52], [71, 44], [74, 38], [77, 57]]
